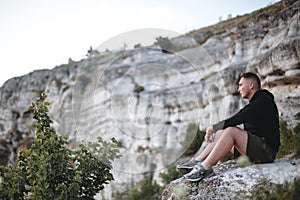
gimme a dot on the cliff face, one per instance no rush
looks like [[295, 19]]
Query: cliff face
[[146, 97]]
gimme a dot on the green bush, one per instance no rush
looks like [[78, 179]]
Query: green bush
[[49, 170], [146, 189], [170, 175], [286, 191], [297, 140], [197, 137], [290, 140]]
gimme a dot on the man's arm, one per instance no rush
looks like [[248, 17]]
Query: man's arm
[[246, 113]]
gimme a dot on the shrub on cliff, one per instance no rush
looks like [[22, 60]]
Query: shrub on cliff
[[169, 175], [192, 146], [49, 170], [290, 140], [147, 188], [286, 191]]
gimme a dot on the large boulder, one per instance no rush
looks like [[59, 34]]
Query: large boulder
[[232, 181]]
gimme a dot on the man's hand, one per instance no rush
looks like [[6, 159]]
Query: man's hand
[[209, 136]]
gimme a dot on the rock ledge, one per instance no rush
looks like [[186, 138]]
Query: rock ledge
[[234, 182]]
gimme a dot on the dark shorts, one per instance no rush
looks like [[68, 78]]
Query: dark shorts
[[258, 150]]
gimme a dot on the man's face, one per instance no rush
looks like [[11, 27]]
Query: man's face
[[245, 87]]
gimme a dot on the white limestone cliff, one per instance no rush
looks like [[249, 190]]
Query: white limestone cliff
[[146, 97]]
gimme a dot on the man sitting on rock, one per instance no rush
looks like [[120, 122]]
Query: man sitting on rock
[[259, 140]]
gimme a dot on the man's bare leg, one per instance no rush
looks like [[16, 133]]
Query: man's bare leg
[[209, 147], [230, 137]]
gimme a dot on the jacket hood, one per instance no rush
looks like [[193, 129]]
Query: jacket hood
[[264, 93]]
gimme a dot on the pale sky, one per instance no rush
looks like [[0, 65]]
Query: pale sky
[[42, 34]]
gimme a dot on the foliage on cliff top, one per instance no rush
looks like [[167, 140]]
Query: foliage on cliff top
[[271, 10], [49, 170]]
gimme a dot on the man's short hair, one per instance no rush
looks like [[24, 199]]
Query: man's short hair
[[253, 77]]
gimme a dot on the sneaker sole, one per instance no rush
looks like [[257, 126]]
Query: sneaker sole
[[201, 178], [184, 170]]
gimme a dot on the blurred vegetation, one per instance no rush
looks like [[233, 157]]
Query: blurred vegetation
[[165, 44], [147, 189], [286, 191], [290, 140], [197, 137], [170, 175], [169, 46]]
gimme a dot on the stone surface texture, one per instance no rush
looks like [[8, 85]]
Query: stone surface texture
[[235, 182]]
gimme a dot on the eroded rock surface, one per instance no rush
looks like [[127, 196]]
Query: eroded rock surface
[[233, 182]]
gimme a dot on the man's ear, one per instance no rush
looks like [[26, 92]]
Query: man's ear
[[251, 84]]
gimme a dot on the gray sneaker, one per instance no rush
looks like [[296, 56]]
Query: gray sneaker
[[199, 173], [188, 166]]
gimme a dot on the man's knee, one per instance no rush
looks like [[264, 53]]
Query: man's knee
[[239, 137], [230, 130], [233, 131]]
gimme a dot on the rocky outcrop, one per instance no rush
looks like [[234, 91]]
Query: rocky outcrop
[[17, 94], [147, 97], [235, 182]]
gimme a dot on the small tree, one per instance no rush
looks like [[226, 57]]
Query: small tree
[[49, 170]]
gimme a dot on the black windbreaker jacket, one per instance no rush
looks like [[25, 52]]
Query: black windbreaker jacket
[[260, 117]]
